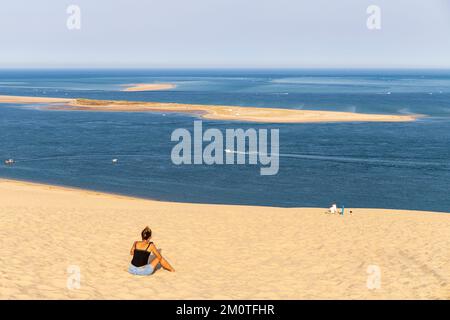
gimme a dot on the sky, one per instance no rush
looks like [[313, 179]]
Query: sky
[[225, 34]]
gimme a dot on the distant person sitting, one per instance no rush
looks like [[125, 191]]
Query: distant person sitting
[[333, 208], [141, 251]]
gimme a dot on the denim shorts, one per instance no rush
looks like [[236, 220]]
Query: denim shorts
[[141, 271]]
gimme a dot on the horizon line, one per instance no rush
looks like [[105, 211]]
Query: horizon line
[[443, 68]]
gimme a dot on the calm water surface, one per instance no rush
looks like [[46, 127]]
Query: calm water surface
[[389, 165]]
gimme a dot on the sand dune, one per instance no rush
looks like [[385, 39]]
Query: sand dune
[[149, 86], [214, 112], [219, 251]]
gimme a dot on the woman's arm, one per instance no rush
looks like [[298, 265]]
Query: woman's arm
[[155, 251], [164, 263], [132, 248]]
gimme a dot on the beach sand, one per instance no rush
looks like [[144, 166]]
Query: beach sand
[[218, 251], [31, 100], [149, 86], [213, 112]]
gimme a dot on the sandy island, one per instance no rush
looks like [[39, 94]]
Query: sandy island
[[214, 112], [149, 86], [219, 251]]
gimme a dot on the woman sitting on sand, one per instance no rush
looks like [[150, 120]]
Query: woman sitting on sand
[[141, 250]]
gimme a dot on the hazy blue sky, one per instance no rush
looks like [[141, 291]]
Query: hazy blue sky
[[225, 33]]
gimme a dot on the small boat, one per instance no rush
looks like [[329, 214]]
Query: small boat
[[115, 160], [9, 162]]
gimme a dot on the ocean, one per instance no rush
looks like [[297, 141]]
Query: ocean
[[374, 165]]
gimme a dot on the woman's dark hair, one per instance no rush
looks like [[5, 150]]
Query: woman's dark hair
[[146, 233]]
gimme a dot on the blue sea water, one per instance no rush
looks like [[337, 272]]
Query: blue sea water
[[381, 165]]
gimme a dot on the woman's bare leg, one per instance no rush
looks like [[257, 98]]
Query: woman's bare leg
[[164, 263]]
